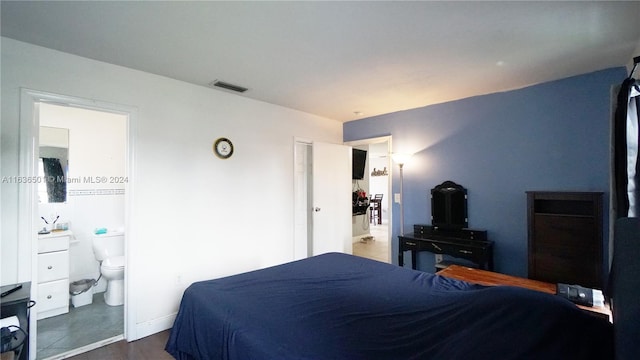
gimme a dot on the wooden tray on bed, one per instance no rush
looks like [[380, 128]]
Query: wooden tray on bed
[[489, 278]]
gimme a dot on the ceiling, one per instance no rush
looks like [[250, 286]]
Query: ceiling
[[341, 60]]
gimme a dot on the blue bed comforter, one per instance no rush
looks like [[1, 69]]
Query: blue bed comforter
[[337, 306]]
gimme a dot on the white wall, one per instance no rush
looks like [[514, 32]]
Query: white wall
[[380, 184], [379, 160], [636, 52], [194, 216]]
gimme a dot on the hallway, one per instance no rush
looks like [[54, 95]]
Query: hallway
[[376, 248]]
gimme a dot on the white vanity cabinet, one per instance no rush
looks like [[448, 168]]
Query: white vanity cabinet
[[53, 274]]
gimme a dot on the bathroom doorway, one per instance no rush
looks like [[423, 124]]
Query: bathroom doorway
[[94, 163]]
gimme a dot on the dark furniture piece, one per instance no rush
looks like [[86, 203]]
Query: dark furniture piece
[[375, 209], [466, 244], [624, 285], [449, 206], [339, 306], [18, 304], [565, 237]]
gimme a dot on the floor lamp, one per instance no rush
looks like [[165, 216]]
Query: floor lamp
[[401, 159]]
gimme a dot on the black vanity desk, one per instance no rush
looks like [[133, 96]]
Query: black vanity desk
[[18, 304], [466, 244]]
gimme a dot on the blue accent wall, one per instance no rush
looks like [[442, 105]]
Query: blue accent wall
[[553, 136]]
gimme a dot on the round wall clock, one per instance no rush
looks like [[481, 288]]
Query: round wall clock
[[223, 148]]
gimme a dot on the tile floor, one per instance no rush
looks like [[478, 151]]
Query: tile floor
[[82, 326], [376, 249]]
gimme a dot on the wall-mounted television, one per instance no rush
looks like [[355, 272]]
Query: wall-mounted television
[[359, 160]]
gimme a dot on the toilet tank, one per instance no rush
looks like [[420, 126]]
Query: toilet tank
[[108, 245]]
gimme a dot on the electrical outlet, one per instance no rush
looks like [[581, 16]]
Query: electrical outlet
[[438, 258], [396, 198]]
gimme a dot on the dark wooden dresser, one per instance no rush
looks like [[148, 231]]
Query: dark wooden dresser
[[565, 237], [466, 244]]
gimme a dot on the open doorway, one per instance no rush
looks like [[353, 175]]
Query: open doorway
[[371, 235], [91, 177], [92, 182]]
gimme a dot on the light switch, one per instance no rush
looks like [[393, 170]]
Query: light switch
[[396, 198]]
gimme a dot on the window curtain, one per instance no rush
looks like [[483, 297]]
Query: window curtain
[[626, 164], [56, 182]]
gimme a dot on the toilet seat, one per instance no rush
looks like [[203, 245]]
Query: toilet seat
[[113, 263]]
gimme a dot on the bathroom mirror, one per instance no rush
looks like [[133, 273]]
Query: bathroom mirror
[[53, 164]]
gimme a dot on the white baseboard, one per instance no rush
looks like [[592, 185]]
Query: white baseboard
[[154, 326]]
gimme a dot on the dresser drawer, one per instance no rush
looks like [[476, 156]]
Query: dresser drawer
[[408, 244], [429, 231], [53, 243], [53, 266], [53, 295]]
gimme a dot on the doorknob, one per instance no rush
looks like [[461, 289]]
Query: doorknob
[[316, 209]]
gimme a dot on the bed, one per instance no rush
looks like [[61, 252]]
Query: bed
[[338, 306]]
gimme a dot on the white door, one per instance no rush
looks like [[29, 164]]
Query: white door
[[302, 197], [331, 199]]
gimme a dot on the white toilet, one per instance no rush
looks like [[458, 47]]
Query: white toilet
[[108, 248]]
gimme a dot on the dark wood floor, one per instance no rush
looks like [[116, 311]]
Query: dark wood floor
[[148, 348]]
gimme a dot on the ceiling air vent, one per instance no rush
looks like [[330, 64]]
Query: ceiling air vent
[[227, 86]]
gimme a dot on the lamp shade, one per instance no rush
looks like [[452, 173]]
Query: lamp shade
[[401, 158]]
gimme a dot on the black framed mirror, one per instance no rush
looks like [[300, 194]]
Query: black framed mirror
[[449, 206]]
